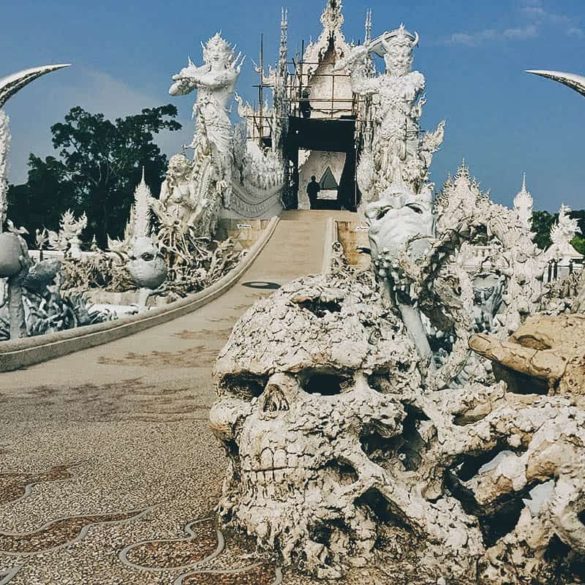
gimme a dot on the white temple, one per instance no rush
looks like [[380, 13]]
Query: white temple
[[341, 120]]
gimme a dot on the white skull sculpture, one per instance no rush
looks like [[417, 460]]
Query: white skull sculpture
[[306, 380], [147, 266]]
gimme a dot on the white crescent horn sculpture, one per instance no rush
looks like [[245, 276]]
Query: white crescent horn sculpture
[[576, 82], [8, 87], [14, 258], [13, 83]]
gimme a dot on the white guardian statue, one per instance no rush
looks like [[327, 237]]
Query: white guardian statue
[[214, 82], [395, 150]]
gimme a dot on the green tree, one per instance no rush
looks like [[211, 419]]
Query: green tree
[[43, 198], [543, 221], [100, 163], [579, 240]]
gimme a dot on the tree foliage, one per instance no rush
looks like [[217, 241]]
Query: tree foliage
[[579, 240], [100, 163], [543, 221]]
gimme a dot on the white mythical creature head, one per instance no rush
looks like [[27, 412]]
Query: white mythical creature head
[[399, 46], [179, 167], [146, 266], [400, 222], [218, 52]]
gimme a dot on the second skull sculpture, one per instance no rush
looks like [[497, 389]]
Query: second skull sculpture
[[314, 385]]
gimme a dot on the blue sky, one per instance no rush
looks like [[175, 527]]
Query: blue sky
[[473, 53]]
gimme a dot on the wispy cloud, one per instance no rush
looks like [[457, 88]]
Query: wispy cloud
[[575, 31], [534, 16], [474, 39]]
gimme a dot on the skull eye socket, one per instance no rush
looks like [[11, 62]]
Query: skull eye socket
[[416, 208], [380, 381], [245, 386], [320, 307], [326, 383], [533, 342]]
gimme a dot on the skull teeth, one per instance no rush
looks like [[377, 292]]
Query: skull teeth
[[275, 484], [271, 461]]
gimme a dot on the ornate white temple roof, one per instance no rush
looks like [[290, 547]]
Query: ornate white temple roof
[[332, 21], [523, 198]]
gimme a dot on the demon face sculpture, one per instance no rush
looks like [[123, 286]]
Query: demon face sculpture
[[147, 266], [399, 222], [307, 378]]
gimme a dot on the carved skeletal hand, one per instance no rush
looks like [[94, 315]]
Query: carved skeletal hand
[[546, 348]]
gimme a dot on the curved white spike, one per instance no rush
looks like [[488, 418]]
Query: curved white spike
[[13, 83], [576, 82]]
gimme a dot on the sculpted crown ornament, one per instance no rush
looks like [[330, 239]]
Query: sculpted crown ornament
[[400, 38], [217, 45]]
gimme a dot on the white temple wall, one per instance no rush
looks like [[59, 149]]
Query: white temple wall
[[326, 92]]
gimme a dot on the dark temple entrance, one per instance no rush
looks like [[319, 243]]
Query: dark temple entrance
[[326, 136]]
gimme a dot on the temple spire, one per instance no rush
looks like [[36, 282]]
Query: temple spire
[[142, 208], [368, 36], [524, 205], [332, 18], [283, 54]]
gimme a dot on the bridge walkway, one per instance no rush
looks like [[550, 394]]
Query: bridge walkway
[[122, 428]]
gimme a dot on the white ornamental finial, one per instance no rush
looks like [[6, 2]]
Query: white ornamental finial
[[561, 235], [368, 37], [463, 170], [524, 205], [332, 18], [142, 206]]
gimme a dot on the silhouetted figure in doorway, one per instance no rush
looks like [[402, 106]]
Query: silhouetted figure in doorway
[[305, 106], [313, 189]]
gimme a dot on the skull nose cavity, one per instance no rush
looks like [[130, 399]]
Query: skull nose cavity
[[274, 401]]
